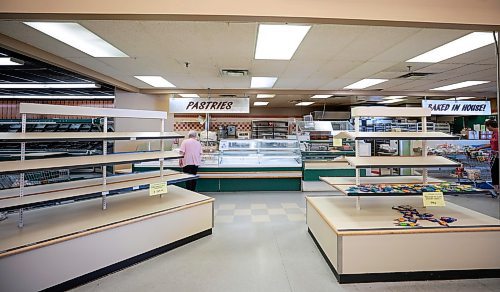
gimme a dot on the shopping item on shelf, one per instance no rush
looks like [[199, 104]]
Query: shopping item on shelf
[[411, 217], [411, 188]]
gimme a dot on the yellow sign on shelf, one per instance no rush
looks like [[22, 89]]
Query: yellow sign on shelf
[[158, 189], [433, 199], [337, 142]]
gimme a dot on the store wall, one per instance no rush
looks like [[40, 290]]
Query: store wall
[[128, 100], [428, 13], [243, 122]]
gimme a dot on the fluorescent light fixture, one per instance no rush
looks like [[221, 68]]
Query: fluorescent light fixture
[[266, 95], [48, 85], [394, 97], [461, 98], [10, 62], [194, 95], [260, 103], [365, 83], [263, 82], [305, 103], [68, 97], [457, 47], [459, 85], [392, 101], [78, 37], [321, 96], [279, 42], [155, 81]]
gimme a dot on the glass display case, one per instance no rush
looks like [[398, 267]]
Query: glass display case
[[316, 139], [260, 153]]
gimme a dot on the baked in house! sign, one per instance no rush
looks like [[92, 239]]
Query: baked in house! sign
[[458, 108], [209, 105]]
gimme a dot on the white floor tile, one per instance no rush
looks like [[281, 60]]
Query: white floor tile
[[261, 218], [240, 212]]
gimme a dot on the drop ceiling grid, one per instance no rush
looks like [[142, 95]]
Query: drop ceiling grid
[[466, 72], [324, 42], [372, 42], [328, 73], [473, 57], [331, 56]]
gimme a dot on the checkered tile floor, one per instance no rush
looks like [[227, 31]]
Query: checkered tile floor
[[259, 213]]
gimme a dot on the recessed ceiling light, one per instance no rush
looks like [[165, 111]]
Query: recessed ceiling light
[[461, 98], [266, 95], [365, 83], [77, 36], [10, 62], [457, 47], [305, 103], [57, 97], [321, 96], [394, 97], [392, 101], [260, 103], [459, 85], [279, 42], [193, 95], [155, 81], [49, 85], [263, 82]]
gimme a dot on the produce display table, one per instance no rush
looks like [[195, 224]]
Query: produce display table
[[366, 246], [62, 246]]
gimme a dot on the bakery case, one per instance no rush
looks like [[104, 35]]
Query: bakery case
[[247, 165]]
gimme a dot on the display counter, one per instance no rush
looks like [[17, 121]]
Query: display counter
[[271, 165], [366, 246], [313, 170], [68, 245]]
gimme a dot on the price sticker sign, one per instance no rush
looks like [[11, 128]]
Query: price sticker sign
[[158, 189], [337, 142], [433, 199]]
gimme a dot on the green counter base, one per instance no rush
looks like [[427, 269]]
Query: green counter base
[[314, 174], [241, 183]]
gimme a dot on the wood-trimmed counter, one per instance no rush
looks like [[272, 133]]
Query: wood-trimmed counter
[[365, 246], [71, 244]]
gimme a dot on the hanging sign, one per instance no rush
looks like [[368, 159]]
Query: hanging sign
[[458, 107], [239, 105], [158, 189], [433, 199]]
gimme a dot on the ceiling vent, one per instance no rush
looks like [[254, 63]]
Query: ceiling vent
[[227, 95], [234, 72], [414, 75]]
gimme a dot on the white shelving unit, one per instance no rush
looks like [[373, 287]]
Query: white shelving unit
[[21, 166], [84, 229], [393, 161], [342, 231]]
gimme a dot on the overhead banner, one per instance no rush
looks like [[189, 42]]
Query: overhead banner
[[239, 105], [458, 108]]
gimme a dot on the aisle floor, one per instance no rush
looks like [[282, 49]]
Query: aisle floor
[[260, 243]]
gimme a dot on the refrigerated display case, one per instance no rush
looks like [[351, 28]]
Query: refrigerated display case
[[247, 165], [259, 153]]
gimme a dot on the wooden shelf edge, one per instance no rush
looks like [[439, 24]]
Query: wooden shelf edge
[[37, 245], [86, 136], [398, 230], [71, 162], [34, 200]]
